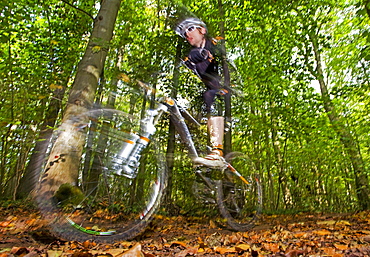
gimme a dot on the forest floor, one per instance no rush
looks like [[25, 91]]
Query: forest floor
[[22, 233]]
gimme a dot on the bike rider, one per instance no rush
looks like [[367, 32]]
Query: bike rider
[[202, 61]]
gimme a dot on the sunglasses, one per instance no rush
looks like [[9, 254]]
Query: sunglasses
[[190, 29]]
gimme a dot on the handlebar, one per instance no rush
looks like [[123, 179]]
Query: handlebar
[[164, 103]]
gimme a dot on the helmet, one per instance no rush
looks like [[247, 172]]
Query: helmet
[[187, 23]]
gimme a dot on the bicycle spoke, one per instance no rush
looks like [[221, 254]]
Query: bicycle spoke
[[107, 203], [239, 195]]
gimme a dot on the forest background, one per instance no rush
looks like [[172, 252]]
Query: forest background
[[300, 102]]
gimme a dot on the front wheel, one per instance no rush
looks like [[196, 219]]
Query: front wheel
[[105, 203], [240, 200]]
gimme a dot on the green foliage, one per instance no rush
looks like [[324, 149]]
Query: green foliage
[[40, 44], [278, 114]]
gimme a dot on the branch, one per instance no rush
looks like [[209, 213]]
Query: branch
[[78, 9]]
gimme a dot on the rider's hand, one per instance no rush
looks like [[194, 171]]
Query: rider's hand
[[189, 64]]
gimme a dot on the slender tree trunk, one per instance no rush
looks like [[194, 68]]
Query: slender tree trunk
[[171, 135], [346, 138], [92, 168], [279, 160], [226, 73], [64, 160]]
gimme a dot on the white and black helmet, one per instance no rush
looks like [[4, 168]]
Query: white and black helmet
[[182, 27]]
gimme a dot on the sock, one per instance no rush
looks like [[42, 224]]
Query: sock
[[218, 150]]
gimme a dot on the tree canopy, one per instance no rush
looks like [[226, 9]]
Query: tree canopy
[[300, 82]]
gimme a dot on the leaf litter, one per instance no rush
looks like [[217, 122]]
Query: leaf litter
[[23, 233]]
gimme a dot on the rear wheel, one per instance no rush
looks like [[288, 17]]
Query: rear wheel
[[240, 202], [107, 203]]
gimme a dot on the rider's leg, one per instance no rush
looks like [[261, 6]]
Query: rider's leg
[[215, 122], [216, 132]]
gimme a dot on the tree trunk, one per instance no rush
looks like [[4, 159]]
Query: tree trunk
[[64, 160], [171, 136], [226, 73], [346, 138], [31, 175], [92, 167]]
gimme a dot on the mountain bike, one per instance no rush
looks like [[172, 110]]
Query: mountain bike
[[121, 191]]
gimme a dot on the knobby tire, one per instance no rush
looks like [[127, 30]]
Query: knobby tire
[[105, 206], [240, 203]]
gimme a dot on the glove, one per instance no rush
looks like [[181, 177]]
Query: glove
[[198, 55], [189, 64]]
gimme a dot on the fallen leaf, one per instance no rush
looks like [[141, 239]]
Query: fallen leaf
[[34, 254], [73, 246], [328, 250], [178, 243], [82, 254], [222, 250], [201, 250], [323, 232], [233, 239], [242, 247], [188, 251], [149, 255], [86, 244], [213, 240], [344, 222], [326, 222], [126, 244], [134, 252], [5, 223], [212, 224], [115, 252], [301, 234], [51, 253], [31, 222], [19, 250], [294, 253], [341, 247], [273, 247]]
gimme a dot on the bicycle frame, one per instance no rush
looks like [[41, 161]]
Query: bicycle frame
[[178, 120], [129, 158]]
